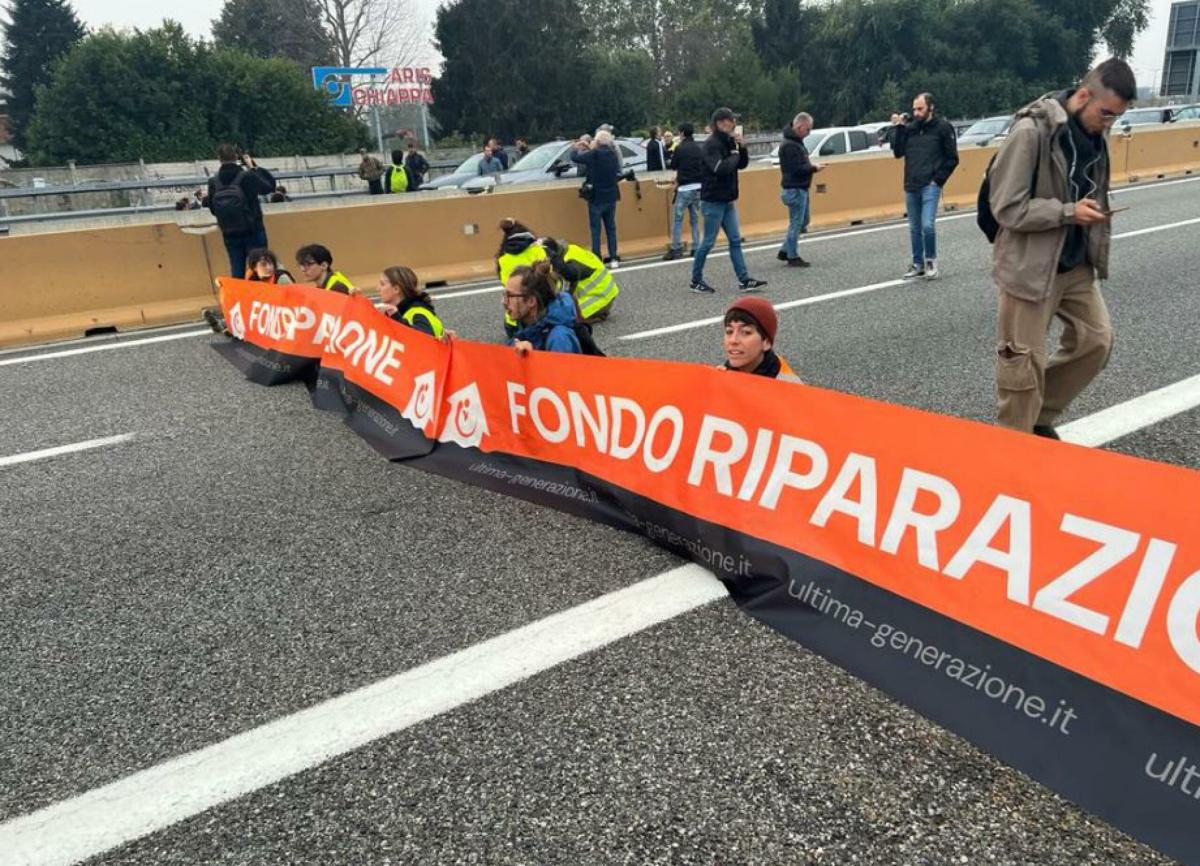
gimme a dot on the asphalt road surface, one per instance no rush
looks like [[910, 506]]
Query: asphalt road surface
[[238, 557]]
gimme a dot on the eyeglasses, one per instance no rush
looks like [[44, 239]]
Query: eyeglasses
[[508, 296]]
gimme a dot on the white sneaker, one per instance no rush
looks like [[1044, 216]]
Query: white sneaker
[[913, 272], [931, 269], [614, 264]]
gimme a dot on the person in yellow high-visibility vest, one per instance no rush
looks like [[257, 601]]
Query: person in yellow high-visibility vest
[[519, 246], [316, 266], [401, 298], [588, 280]]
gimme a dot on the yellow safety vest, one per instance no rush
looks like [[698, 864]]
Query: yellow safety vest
[[428, 315], [597, 291], [508, 263], [337, 281]]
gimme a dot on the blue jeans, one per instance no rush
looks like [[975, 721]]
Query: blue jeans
[[797, 205], [720, 215], [606, 211], [922, 212], [686, 201], [239, 246]]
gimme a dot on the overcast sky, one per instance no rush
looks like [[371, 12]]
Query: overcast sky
[[196, 17]]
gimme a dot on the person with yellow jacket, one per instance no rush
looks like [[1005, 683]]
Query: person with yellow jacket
[[589, 281], [518, 247], [401, 299], [316, 264]]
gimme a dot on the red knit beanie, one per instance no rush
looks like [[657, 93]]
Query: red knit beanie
[[761, 311]]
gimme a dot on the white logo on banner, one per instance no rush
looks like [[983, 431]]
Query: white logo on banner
[[420, 405], [465, 422], [236, 323]]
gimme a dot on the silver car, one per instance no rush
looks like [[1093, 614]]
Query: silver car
[[984, 132], [552, 161], [468, 170]]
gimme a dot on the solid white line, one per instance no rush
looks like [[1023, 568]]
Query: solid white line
[[97, 340], [87, 350], [816, 299], [162, 795], [30, 456], [1153, 229], [1129, 417], [786, 305], [1154, 184]]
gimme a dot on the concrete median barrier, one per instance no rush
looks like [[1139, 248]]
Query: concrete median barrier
[[68, 283]]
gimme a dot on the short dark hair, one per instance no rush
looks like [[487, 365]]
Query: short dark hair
[[318, 253], [686, 129], [744, 318], [226, 152], [1113, 74], [928, 97], [397, 156], [255, 256]]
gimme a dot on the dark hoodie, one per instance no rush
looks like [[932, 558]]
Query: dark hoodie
[[794, 165], [254, 182], [722, 161], [1082, 151]]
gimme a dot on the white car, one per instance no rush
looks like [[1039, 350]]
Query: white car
[[834, 141]]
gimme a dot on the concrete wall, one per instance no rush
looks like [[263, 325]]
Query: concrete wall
[[60, 284]]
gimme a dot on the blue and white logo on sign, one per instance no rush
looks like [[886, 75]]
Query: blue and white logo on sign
[[336, 81]]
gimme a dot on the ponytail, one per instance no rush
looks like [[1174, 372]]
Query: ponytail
[[539, 280]]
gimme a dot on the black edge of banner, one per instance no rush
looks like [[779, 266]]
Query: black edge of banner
[[382, 426], [328, 392], [267, 366], [1100, 756]]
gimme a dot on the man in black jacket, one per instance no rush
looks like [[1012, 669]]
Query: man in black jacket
[[687, 159], [233, 199], [929, 148], [603, 171], [796, 171], [724, 155]]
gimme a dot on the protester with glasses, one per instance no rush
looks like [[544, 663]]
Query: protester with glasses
[[1048, 193], [545, 317]]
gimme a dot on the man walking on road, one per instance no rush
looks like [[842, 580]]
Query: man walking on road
[[796, 171], [1049, 196], [725, 155], [929, 148]]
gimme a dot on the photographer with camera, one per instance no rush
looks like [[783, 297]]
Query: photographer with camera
[[929, 148], [233, 198]]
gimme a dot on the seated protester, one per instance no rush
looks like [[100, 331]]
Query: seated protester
[[545, 317], [589, 281], [395, 179], [403, 301], [519, 246], [750, 328], [262, 266], [316, 266]]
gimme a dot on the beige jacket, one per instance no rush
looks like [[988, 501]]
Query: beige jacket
[[1033, 228]]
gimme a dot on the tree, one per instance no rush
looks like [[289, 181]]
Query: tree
[[275, 28], [540, 93], [374, 32], [37, 33], [158, 95]]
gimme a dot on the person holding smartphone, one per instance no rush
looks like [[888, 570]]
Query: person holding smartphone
[[724, 155], [1049, 189]]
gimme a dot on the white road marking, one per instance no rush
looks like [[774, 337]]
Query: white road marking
[[1133, 415], [874, 287], [162, 795], [45, 453], [786, 305], [87, 350]]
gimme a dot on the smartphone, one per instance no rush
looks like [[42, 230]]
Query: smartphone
[[737, 130]]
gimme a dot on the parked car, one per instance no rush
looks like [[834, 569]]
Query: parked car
[[552, 161], [468, 170], [1144, 117], [1186, 112], [985, 131], [834, 141]]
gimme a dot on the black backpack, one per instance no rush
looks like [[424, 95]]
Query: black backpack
[[587, 344], [984, 218], [231, 207]]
